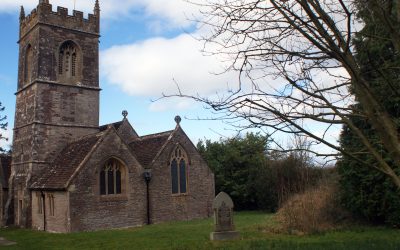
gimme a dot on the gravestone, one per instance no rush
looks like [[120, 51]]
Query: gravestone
[[223, 218]]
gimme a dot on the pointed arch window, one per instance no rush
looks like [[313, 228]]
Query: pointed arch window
[[28, 64], [68, 61], [178, 166], [111, 178]]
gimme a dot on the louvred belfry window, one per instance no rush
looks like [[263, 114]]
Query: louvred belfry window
[[111, 178], [68, 61], [178, 166]]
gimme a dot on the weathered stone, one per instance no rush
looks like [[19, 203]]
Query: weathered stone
[[51, 110], [60, 152], [223, 218]]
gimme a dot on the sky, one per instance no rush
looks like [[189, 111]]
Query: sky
[[147, 48]]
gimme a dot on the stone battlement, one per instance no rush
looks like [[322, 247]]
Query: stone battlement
[[43, 13]]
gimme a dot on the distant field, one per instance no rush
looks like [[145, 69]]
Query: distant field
[[195, 235]]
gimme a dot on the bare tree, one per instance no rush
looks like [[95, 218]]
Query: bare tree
[[297, 69]]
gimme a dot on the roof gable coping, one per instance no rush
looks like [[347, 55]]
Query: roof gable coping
[[127, 145], [173, 132], [179, 128], [155, 135], [109, 130], [114, 124], [87, 157], [126, 121], [162, 148]]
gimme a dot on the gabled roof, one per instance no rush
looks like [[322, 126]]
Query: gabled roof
[[116, 125], [67, 163], [146, 148], [5, 171]]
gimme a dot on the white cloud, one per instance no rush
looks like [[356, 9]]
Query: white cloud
[[159, 65], [171, 104], [173, 12]]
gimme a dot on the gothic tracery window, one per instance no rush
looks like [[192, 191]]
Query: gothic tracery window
[[111, 178], [179, 171], [68, 59]]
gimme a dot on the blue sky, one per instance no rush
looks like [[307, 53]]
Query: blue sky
[[146, 48]]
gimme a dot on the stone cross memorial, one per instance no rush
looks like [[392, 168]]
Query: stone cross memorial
[[223, 218]]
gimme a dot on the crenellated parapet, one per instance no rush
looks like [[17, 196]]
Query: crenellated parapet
[[43, 14]]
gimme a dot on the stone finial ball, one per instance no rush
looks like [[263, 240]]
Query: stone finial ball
[[178, 119], [124, 113]]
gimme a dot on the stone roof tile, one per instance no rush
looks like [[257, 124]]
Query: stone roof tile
[[147, 147], [116, 125], [67, 163]]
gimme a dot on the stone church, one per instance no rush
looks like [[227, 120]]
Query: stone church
[[70, 174]]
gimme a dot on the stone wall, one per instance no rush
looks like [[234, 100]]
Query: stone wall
[[57, 218], [92, 211], [44, 14], [46, 99], [51, 109], [127, 133], [45, 42], [56, 115], [52, 39], [197, 202]]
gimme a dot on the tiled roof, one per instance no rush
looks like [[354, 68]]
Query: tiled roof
[[147, 147], [6, 169], [67, 163], [116, 125]]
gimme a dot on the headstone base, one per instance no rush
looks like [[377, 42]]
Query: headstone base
[[229, 235]]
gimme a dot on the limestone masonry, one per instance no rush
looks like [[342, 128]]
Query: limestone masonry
[[67, 172]]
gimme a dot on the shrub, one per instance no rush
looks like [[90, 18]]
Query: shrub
[[315, 210]]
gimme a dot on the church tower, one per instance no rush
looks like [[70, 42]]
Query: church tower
[[57, 98]]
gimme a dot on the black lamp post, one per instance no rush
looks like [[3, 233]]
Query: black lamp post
[[147, 178]]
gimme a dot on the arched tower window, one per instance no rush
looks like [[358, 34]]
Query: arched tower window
[[28, 65], [68, 62], [179, 165], [111, 177]]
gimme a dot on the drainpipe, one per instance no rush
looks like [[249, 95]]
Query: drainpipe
[[44, 210], [147, 178]]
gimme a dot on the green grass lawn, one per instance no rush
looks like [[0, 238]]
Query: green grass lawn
[[195, 235]]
